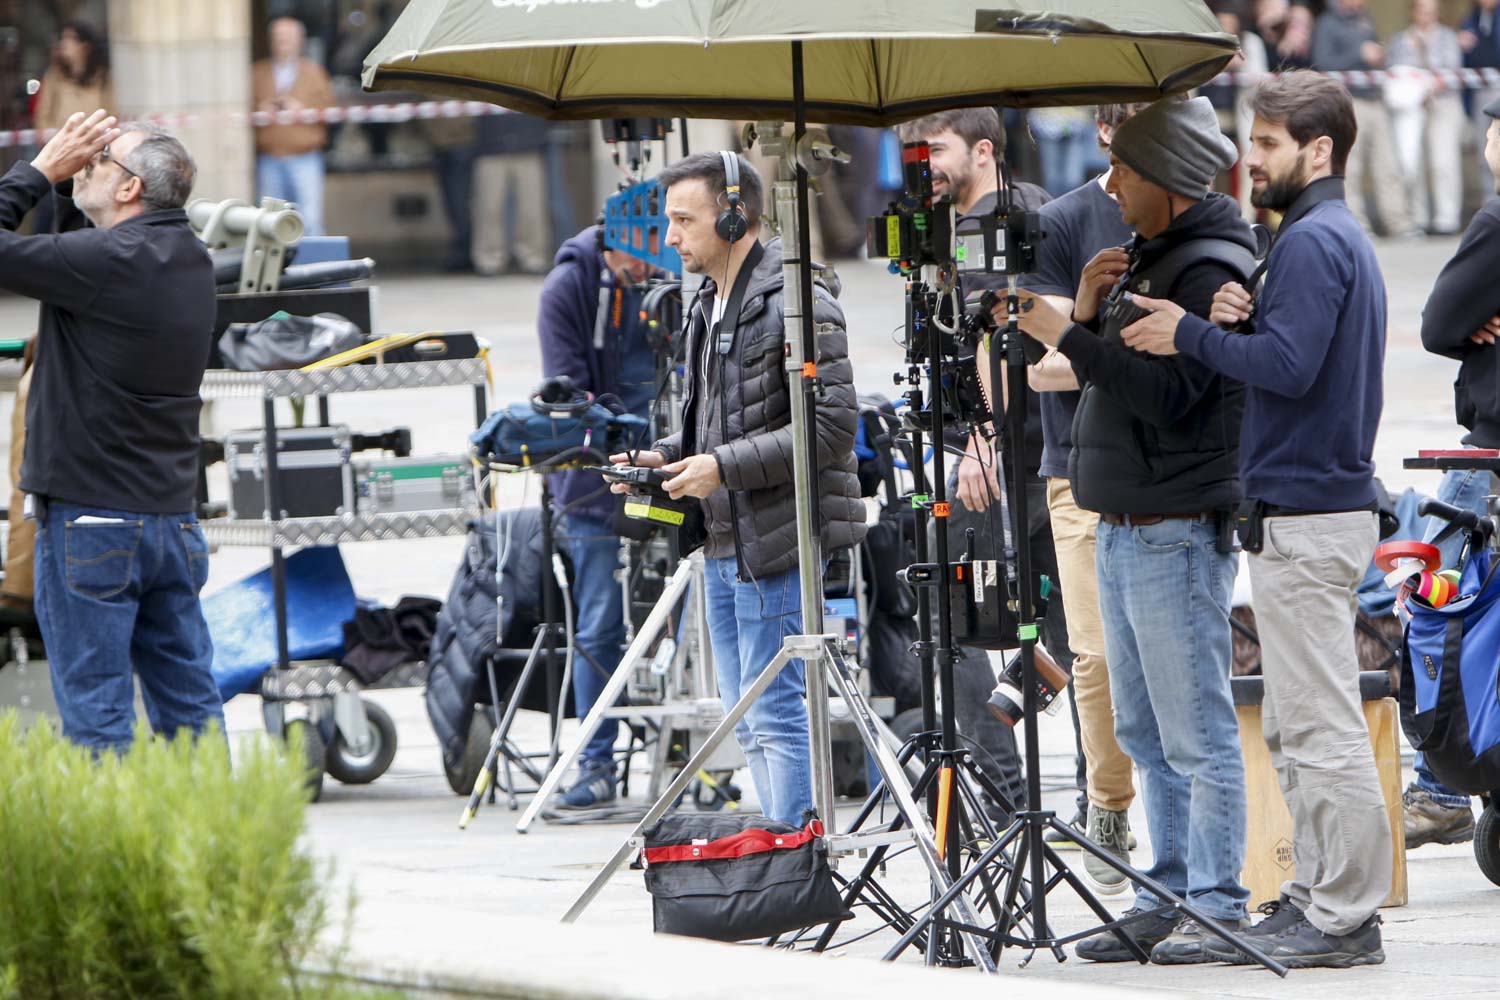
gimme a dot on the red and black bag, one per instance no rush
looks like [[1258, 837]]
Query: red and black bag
[[735, 878]]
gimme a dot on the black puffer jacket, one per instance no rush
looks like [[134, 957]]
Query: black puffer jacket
[[1160, 435], [755, 456]]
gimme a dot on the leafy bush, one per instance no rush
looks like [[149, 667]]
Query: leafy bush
[[160, 873]]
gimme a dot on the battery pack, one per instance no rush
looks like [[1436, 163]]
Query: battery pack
[[658, 509]]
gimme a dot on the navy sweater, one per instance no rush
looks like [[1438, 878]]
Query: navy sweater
[[1312, 368]]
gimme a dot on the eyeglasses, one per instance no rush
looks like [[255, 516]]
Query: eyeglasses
[[105, 157]]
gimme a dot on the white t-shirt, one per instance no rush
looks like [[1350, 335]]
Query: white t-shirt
[[711, 345]]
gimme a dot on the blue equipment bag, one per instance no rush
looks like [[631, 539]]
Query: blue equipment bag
[[1450, 681], [519, 434]]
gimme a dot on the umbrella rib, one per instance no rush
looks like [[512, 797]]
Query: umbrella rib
[[875, 65], [562, 80]]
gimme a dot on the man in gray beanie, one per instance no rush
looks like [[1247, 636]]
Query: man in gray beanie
[[1155, 453]]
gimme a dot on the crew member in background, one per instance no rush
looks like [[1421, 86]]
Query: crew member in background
[[592, 332], [289, 157], [735, 454], [1462, 321], [964, 145], [1312, 407], [111, 463], [1080, 224], [1154, 452]]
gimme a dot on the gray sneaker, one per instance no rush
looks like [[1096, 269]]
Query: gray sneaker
[[1110, 829]]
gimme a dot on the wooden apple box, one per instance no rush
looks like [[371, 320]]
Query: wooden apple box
[[1268, 851]]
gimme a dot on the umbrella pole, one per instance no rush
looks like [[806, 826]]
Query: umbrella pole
[[796, 250]]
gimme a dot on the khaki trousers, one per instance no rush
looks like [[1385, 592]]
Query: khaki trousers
[[1109, 769], [1303, 586], [19, 571], [1375, 151], [494, 178]]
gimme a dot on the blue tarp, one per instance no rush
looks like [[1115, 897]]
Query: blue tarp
[[242, 621]]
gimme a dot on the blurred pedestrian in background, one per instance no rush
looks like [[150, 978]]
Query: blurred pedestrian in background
[[289, 164], [1427, 117]]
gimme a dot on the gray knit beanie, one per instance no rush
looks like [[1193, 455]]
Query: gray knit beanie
[[1176, 145]]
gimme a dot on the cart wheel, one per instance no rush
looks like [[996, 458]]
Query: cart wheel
[[361, 769], [302, 734], [1487, 841], [462, 777]]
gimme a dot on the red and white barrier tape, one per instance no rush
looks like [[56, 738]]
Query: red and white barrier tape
[[1460, 79], [379, 113]]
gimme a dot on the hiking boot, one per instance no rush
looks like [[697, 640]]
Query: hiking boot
[[1187, 944], [1430, 822], [1148, 932], [1300, 945], [1060, 841], [1110, 830], [595, 786], [1280, 914]]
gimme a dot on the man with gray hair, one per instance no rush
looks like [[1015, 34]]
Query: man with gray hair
[[111, 462]]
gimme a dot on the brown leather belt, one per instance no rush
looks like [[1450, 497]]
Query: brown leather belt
[[1139, 519]]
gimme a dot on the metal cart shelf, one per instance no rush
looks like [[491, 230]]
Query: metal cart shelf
[[331, 693], [331, 530]]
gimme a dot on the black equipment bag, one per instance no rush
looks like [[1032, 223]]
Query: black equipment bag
[[736, 878]]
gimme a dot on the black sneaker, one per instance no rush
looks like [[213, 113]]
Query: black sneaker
[[1187, 944], [1060, 841], [1300, 945], [1148, 933], [1280, 913], [595, 787]]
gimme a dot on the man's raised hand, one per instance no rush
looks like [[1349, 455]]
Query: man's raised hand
[[78, 141]]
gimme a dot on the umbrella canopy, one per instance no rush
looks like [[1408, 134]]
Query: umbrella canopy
[[868, 62]]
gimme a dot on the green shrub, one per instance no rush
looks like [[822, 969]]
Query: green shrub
[[156, 874]]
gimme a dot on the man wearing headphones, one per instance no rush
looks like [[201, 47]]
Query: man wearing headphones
[[592, 333], [735, 454]]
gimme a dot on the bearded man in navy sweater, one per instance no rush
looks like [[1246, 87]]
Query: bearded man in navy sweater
[[1312, 371]]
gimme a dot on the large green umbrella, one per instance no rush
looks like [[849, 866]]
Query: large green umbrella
[[858, 62], [868, 62]]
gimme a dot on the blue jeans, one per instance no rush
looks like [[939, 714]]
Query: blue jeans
[[298, 179], [1466, 489], [117, 596], [600, 626], [746, 623], [1164, 592]]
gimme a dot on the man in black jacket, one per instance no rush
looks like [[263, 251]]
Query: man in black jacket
[[111, 460], [1155, 449], [735, 454], [1462, 321]]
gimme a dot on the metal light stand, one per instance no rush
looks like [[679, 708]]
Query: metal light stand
[[821, 655], [1035, 862]]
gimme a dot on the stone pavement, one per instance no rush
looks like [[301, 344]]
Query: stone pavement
[[475, 911]]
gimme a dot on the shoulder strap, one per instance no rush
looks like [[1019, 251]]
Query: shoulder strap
[[1164, 273], [729, 324]]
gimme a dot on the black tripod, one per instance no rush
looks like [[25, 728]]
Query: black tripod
[[951, 782], [1034, 865]]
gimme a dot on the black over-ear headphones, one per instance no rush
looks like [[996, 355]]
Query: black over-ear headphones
[[732, 224], [559, 396]]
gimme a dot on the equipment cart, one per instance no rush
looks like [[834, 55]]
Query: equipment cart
[[343, 735]]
